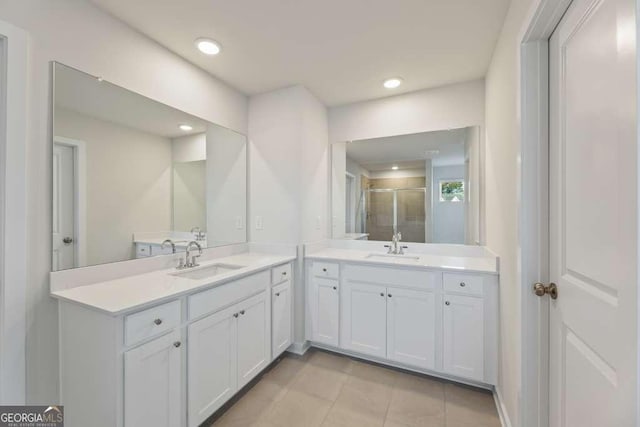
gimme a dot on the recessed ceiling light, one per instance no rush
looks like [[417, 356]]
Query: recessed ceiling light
[[392, 83], [395, 168], [185, 128], [208, 46]]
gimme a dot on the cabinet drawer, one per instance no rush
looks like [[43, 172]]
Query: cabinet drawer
[[389, 276], [229, 293], [463, 284], [325, 269], [280, 273], [151, 322], [143, 250]]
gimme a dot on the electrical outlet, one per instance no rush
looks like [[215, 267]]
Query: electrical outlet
[[239, 223], [259, 225]]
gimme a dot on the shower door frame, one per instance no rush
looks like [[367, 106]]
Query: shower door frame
[[395, 206]]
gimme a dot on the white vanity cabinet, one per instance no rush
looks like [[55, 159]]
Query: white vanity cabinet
[[153, 381], [281, 310], [227, 349], [323, 303], [175, 363], [428, 320]]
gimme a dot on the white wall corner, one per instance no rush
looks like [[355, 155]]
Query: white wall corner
[[505, 421]]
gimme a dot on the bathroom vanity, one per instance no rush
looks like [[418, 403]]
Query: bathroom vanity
[[432, 310], [170, 347]]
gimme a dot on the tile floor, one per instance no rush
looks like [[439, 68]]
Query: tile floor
[[326, 389]]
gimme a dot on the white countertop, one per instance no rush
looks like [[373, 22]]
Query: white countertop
[[180, 243], [355, 236], [487, 265], [132, 293]]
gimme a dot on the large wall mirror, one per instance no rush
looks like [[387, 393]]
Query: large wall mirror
[[425, 186], [130, 173]]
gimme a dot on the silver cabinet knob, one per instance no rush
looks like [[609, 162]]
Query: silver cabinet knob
[[335, 287], [67, 240], [158, 321], [242, 312], [235, 315], [278, 294], [284, 273], [447, 303], [462, 284], [381, 294], [389, 295], [177, 344], [324, 269]]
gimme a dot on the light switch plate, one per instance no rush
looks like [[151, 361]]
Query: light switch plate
[[259, 225]]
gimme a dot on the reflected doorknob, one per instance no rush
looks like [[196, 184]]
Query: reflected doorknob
[[541, 289]]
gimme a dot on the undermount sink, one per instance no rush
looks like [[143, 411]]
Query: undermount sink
[[198, 273], [393, 257]]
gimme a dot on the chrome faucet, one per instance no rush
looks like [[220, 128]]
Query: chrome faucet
[[169, 242], [198, 234], [395, 248], [190, 261]]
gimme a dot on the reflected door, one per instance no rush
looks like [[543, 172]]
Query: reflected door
[[380, 214], [411, 214], [64, 241]]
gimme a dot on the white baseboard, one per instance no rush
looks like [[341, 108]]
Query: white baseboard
[[502, 410], [299, 348]]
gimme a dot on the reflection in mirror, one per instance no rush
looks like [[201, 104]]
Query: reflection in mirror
[[424, 186], [130, 173]]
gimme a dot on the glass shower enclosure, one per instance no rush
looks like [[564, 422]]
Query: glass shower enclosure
[[385, 211]]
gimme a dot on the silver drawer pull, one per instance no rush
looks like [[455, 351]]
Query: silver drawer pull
[[462, 284], [158, 321], [381, 294], [284, 273], [447, 303], [278, 294], [177, 344], [324, 269]]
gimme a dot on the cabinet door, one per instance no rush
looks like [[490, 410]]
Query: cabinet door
[[411, 327], [254, 337], [325, 311], [280, 318], [464, 336], [364, 318], [152, 383], [211, 364]]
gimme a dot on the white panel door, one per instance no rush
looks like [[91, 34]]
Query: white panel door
[[152, 383], [325, 311], [254, 337], [411, 327], [63, 232], [212, 373], [364, 318], [463, 336], [593, 216], [280, 318]]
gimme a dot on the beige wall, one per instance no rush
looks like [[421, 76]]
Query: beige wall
[[502, 136], [128, 178]]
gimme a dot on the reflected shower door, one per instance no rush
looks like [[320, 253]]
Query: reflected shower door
[[411, 214], [380, 214]]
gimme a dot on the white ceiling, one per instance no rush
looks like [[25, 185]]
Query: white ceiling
[[83, 93], [340, 50], [409, 151]]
